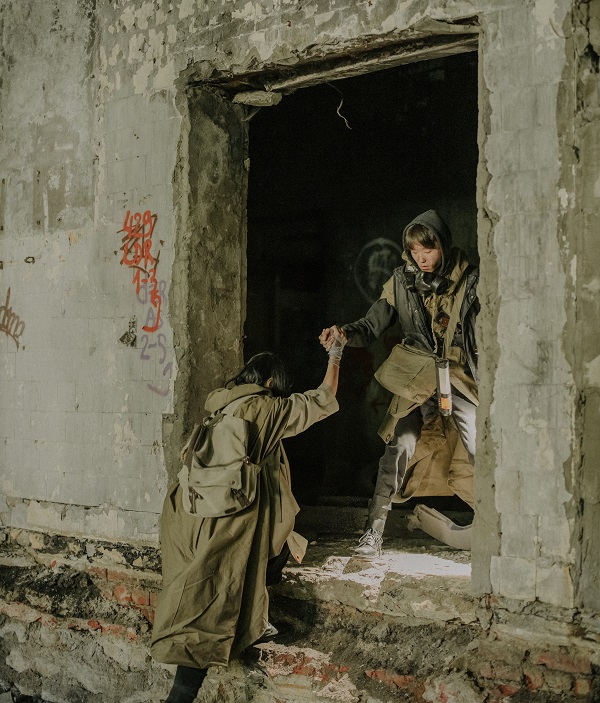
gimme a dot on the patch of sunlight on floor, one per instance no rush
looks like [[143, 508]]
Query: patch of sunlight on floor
[[372, 572], [417, 565]]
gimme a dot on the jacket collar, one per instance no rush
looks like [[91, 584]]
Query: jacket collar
[[221, 397]]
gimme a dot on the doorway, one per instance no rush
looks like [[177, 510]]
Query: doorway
[[337, 170]]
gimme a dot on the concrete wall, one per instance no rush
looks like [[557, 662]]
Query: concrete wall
[[581, 149], [81, 407], [103, 371], [525, 482]]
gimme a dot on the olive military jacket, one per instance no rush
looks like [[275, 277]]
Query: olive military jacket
[[401, 303], [214, 601]]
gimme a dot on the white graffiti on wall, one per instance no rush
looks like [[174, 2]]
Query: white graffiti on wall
[[374, 266]]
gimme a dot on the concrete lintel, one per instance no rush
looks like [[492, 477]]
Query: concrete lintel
[[418, 51], [422, 42]]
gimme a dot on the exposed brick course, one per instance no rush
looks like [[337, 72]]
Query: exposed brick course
[[481, 667]]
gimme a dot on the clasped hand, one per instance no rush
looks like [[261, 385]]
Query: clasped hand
[[332, 334]]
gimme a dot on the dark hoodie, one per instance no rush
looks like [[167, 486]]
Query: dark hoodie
[[407, 307], [436, 225]]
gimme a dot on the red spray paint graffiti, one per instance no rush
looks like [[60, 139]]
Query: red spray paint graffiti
[[137, 255]]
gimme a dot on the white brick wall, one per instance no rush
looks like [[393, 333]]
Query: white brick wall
[[79, 424]]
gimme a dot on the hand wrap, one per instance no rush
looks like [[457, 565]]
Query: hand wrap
[[337, 348]]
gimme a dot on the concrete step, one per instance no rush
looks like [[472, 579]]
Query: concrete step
[[363, 630], [75, 623]]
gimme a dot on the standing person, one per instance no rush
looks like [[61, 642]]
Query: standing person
[[214, 601], [420, 296]]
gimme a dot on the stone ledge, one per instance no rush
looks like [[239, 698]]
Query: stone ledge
[[416, 583], [404, 627]]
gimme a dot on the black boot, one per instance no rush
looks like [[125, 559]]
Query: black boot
[[186, 685]]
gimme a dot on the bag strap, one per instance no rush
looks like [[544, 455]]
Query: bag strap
[[235, 404], [454, 315], [192, 441]]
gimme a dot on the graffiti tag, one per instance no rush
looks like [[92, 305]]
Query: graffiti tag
[[10, 323], [137, 255], [374, 265]]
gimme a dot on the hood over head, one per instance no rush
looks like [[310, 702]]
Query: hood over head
[[436, 225]]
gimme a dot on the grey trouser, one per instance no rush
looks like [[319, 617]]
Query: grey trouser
[[397, 455]]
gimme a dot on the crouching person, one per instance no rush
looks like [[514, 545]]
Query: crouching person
[[214, 601]]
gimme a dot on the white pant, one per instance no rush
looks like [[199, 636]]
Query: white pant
[[398, 453]]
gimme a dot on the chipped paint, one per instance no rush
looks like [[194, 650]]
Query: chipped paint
[[186, 8], [156, 42], [127, 18], [141, 77], [592, 287], [171, 34], [592, 373], [165, 77], [251, 10], [563, 198], [544, 12]]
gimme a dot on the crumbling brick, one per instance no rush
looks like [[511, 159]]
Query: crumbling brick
[[582, 687], [534, 679], [486, 670], [558, 682], [505, 672], [563, 661], [122, 595], [392, 679], [508, 689]]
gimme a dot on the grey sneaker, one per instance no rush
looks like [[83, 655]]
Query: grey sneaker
[[369, 545]]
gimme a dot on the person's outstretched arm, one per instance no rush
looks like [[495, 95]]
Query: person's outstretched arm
[[295, 414], [379, 318], [336, 342]]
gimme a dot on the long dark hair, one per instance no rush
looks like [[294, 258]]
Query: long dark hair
[[259, 369]]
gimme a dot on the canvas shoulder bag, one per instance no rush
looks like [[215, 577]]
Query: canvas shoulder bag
[[410, 372], [218, 478]]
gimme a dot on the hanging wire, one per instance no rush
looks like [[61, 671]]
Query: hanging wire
[[341, 103]]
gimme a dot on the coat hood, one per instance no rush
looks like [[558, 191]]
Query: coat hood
[[436, 225], [221, 397]]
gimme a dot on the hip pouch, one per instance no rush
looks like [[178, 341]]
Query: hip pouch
[[409, 373]]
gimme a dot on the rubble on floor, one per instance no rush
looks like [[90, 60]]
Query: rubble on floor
[[75, 618]]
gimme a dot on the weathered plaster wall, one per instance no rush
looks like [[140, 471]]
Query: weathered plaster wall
[[97, 123], [580, 164], [82, 401], [527, 416], [88, 449], [152, 52], [210, 308]]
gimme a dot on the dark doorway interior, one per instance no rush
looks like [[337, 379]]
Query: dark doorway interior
[[326, 208]]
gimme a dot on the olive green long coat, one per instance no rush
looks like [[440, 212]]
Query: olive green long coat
[[214, 601]]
